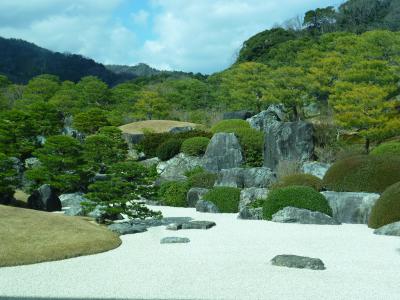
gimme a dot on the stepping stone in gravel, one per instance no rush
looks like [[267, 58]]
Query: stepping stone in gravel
[[174, 240], [299, 262], [126, 228], [198, 225], [174, 226]]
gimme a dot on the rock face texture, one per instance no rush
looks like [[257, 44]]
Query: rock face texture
[[251, 213], [241, 114], [176, 167], [315, 168], [126, 228], [174, 240], [299, 262], [246, 177], [44, 198], [249, 195], [206, 206], [194, 195], [302, 216], [353, 208], [71, 204], [223, 152], [389, 229], [288, 141], [274, 113]]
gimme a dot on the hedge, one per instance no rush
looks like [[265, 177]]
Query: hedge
[[225, 198]]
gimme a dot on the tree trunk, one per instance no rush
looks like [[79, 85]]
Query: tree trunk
[[367, 141]]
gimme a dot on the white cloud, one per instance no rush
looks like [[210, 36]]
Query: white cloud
[[141, 17]]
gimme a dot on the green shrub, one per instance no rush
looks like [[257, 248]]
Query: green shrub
[[229, 125], [151, 141], [387, 209], [392, 148], [202, 179], [169, 149], [173, 193], [225, 198], [251, 140], [195, 146], [301, 180], [372, 173], [296, 196]]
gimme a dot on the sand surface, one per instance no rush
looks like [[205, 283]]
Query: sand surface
[[229, 261]]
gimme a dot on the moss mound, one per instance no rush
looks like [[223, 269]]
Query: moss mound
[[387, 209], [195, 146], [296, 196], [372, 174], [300, 180], [173, 193], [202, 180], [392, 148], [225, 198]]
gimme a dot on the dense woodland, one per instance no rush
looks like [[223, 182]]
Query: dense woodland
[[338, 68]]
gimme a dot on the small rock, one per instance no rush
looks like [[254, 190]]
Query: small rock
[[251, 213], [126, 228], [74, 211], [174, 240], [299, 262], [32, 162], [198, 225], [194, 195], [315, 168], [302, 216], [206, 206], [389, 229], [150, 162], [174, 226]]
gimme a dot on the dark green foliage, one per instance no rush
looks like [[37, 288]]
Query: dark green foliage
[[122, 190], [225, 198], [61, 158], [300, 180], [151, 141], [8, 179], [89, 122], [202, 179], [387, 209], [173, 193], [169, 149], [296, 196], [373, 173], [320, 20], [392, 148], [195, 146]]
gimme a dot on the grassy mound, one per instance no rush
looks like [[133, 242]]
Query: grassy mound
[[387, 209], [225, 198], [30, 236], [392, 148], [295, 196], [301, 180], [156, 126], [372, 174]]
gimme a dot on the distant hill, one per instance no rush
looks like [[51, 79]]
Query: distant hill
[[21, 60]]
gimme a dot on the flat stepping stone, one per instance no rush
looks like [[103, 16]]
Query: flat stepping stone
[[174, 240], [126, 228], [198, 225], [299, 262]]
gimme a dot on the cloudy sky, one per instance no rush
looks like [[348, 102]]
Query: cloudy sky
[[188, 35]]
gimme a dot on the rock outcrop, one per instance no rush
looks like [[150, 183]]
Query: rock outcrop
[[44, 198], [246, 177], [206, 207], [389, 229], [176, 167], [194, 195], [302, 216], [274, 113], [223, 152], [315, 168], [288, 141], [250, 195], [349, 207]]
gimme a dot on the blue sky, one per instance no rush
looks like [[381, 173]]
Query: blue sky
[[188, 35]]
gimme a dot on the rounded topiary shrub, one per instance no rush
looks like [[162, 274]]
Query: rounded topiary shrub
[[169, 149], [387, 209], [173, 193], [296, 196], [195, 146], [202, 180], [229, 125], [225, 198], [373, 173], [301, 180], [392, 148]]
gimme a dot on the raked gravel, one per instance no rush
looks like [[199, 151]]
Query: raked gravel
[[228, 261]]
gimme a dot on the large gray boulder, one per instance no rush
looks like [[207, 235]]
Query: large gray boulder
[[206, 206], [223, 152], [274, 113], [246, 177], [250, 195], [389, 229], [251, 213], [299, 262], [302, 216], [350, 207], [44, 198], [176, 167], [194, 195], [71, 204], [288, 141], [315, 168]]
